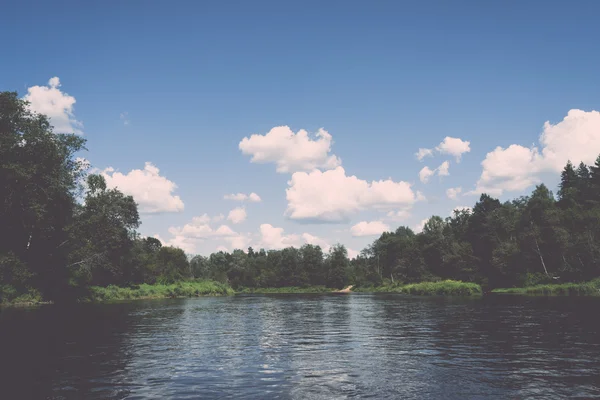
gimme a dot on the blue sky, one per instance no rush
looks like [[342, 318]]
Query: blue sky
[[181, 84]]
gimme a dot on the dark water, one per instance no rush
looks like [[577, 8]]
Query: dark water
[[304, 347]]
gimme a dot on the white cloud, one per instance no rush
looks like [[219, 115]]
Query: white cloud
[[422, 153], [199, 228], [273, 238], [454, 146], [252, 197], [425, 173], [575, 138], [185, 244], [442, 170], [372, 228], [399, 215], [222, 248], [125, 118], [316, 241], [57, 105], [237, 215], [418, 228], [453, 193], [153, 193], [421, 196], [241, 241], [352, 253], [291, 151], [332, 196]]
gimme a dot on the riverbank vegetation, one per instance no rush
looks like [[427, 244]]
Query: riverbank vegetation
[[591, 288], [440, 288], [159, 291], [66, 235]]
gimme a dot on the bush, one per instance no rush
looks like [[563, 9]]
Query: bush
[[145, 291]]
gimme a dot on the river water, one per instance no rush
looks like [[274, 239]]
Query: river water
[[304, 347]]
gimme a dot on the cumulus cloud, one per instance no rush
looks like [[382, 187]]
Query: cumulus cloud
[[152, 192], [454, 146], [273, 238], [188, 236], [252, 197], [426, 173], [422, 153], [289, 151], [186, 244], [237, 215], [372, 228], [453, 193], [316, 241], [418, 228], [443, 169], [57, 105], [241, 241], [352, 253], [575, 138], [332, 196]]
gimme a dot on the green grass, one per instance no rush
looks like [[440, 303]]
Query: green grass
[[591, 288], [158, 291], [10, 297], [442, 288], [289, 289]]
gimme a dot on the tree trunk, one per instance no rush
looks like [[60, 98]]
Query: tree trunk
[[540, 254]]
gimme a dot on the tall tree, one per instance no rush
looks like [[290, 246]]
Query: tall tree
[[38, 183]]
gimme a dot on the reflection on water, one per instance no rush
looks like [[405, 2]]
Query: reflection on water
[[304, 346]]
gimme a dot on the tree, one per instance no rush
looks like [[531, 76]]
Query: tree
[[172, 264], [102, 235], [312, 263], [337, 263], [38, 182]]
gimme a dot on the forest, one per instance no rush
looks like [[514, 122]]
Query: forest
[[64, 231]]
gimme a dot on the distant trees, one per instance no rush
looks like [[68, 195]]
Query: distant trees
[[62, 233]]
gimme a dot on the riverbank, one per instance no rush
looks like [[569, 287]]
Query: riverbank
[[441, 288], [591, 288], [159, 291], [286, 290]]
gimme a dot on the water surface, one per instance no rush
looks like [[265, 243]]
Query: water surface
[[304, 347]]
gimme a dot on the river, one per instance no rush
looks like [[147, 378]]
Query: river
[[304, 347]]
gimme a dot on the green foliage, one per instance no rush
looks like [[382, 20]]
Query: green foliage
[[591, 288], [440, 288], [190, 288], [58, 239]]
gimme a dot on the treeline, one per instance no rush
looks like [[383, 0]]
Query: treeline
[[63, 231], [530, 240]]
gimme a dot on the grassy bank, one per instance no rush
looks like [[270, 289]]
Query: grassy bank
[[283, 290], [158, 291], [442, 288], [591, 288]]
